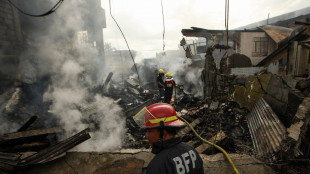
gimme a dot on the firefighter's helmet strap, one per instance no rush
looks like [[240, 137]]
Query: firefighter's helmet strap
[[161, 135]]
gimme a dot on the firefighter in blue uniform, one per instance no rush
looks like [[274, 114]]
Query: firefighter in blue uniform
[[169, 85], [172, 155]]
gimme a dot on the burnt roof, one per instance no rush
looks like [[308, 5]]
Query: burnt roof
[[201, 32]]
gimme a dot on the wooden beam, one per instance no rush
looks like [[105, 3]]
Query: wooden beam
[[30, 133], [276, 57], [218, 137], [188, 129]]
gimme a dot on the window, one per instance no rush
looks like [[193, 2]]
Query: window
[[82, 36], [259, 46], [201, 49]]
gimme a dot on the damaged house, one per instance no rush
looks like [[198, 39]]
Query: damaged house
[[266, 46], [267, 72], [282, 48]]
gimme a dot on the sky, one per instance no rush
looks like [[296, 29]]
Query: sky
[[142, 21]]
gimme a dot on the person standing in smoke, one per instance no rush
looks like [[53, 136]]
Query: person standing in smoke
[[160, 83], [169, 84]]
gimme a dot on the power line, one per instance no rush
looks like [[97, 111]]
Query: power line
[[52, 10], [164, 30], [125, 41], [226, 19]]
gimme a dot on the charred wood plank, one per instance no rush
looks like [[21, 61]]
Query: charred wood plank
[[108, 79], [302, 23], [33, 140], [187, 129], [133, 90], [192, 143], [30, 133], [131, 112], [8, 162], [131, 83], [303, 84], [8, 156], [27, 124], [188, 118], [220, 136], [56, 150]]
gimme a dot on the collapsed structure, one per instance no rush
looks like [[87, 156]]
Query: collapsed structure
[[267, 65]]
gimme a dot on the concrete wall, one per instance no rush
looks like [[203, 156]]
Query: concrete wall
[[246, 71], [298, 59], [132, 161], [273, 67], [246, 42], [302, 60], [292, 58], [10, 43]]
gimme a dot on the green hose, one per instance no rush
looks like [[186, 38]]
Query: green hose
[[216, 146]]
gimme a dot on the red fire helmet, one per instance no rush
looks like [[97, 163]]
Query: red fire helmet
[[158, 112]]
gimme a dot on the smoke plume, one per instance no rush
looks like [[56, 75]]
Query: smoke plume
[[185, 72], [75, 67]]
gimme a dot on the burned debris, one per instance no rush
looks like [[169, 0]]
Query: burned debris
[[267, 91], [221, 123], [17, 159]]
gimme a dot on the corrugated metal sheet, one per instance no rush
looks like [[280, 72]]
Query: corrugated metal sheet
[[277, 33], [12, 162], [246, 71], [56, 150], [8, 161], [29, 133], [279, 52], [267, 131]]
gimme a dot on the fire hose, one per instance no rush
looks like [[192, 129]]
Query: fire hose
[[212, 144]]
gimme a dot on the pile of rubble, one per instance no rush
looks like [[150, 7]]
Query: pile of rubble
[[277, 119], [220, 122], [26, 148], [127, 94], [40, 138], [265, 115]]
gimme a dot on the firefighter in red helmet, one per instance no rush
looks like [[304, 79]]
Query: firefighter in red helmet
[[172, 155]]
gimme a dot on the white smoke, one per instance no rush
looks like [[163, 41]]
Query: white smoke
[[109, 135], [67, 95], [75, 69], [183, 70]]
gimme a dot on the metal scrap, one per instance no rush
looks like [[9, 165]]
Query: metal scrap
[[267, 131], [12, 162], [56, 150]]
